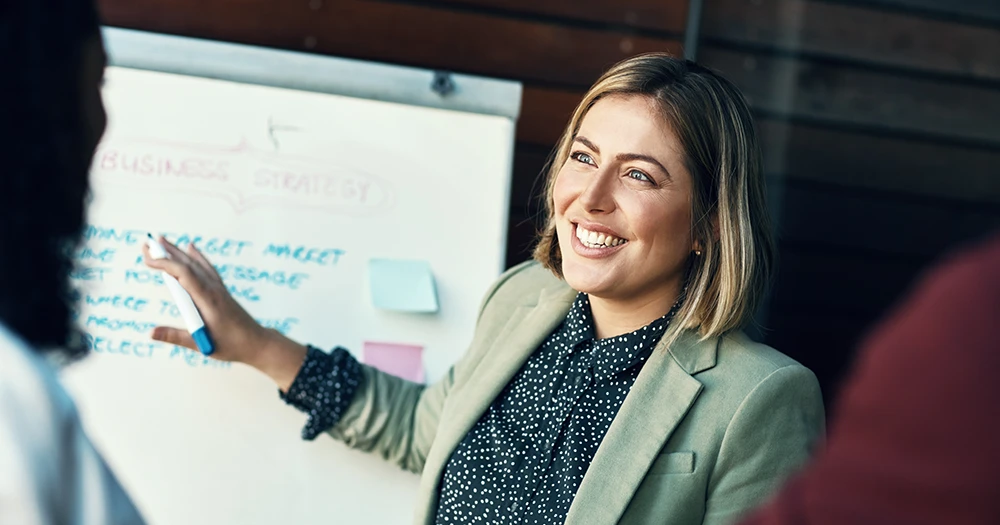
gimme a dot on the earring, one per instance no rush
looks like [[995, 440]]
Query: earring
[[697, 253]]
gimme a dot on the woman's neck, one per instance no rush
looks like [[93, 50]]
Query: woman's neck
[[613, 317]]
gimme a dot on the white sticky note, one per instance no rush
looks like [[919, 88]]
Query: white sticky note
[[402, 285]]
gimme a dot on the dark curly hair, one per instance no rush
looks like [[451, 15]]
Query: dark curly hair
[[45, 160]]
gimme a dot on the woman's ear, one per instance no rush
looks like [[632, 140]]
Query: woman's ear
[[697, 247]]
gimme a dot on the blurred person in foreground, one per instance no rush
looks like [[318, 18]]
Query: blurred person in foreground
[[51, 119], [916, 437]]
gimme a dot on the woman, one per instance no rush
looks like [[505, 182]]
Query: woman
[[607, 381], [51, 118]]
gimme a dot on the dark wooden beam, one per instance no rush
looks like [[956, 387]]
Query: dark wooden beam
[[840, 94], [430, 37], [982, 10], [851, 32], [668, 16], [879, 162]]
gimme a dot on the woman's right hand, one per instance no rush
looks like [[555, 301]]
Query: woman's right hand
[[235, 334]]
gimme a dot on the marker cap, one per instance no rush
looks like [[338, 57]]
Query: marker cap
[[204, 342]]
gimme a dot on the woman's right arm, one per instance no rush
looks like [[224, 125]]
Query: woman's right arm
[[366, 408]]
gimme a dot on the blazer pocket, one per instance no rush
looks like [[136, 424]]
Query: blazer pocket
[[673, 463]]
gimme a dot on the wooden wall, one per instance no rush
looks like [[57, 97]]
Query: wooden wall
[[881, 126], [879, 117]]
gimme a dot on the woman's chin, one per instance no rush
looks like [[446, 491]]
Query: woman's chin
[[585, 280]]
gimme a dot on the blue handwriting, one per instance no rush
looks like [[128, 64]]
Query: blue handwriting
[[110, 323], [193, 358], [305, 254], [252, 274], [144, 276], [247, 293], [212, 246], [126, 302], [167, 307], [108, 345], [128, 237], [85, 273], [87, 253]]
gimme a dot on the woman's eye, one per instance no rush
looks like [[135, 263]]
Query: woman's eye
[[583, 157], [640, 176]]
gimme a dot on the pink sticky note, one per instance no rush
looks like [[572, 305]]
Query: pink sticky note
[[400, 360]]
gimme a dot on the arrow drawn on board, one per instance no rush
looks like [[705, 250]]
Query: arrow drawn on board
[[272, 128]]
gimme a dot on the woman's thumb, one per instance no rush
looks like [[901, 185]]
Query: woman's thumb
[[174, 336]]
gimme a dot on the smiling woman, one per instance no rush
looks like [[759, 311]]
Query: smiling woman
[[681, 174], [608, 381]]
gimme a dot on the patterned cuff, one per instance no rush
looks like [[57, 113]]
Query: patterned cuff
[[324, 388]]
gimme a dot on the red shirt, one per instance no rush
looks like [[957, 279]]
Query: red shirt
[[916, 436]]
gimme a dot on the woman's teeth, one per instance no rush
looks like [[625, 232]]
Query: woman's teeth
[[597, 240]]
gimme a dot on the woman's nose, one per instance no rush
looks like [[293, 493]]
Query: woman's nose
[[598, 195]]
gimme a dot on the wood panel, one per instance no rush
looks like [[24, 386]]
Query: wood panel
[[845, 282], [430, 37], [979, 10], [878, 162], [839, 93], [851, 32], [545, 114], [841, 220], [658, 15]]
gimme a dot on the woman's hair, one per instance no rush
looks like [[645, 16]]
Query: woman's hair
[[725, 284], [43, 175]]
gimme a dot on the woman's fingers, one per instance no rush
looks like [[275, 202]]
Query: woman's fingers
[[237, 336], [173, 267], [174, 252], [195, 254], [174, 336], [178, 265]]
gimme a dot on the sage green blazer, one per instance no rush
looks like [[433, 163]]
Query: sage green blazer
[[709, 430]]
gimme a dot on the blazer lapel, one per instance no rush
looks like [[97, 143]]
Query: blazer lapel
[[527, 328], [661, 396]]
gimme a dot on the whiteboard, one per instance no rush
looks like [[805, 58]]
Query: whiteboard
[[291, 192]]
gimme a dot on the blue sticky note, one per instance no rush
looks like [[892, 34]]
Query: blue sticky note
[[402, 285]]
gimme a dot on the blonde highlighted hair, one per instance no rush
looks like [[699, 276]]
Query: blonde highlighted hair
[[730, 223]]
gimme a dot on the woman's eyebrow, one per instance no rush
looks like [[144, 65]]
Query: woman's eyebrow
[[623, 157], [586, 142]]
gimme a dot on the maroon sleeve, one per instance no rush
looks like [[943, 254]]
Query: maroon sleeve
[[916, 435]]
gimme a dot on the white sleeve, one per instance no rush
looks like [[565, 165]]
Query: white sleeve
[[50, 473]]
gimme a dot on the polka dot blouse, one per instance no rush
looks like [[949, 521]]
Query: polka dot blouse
[[524, 459]]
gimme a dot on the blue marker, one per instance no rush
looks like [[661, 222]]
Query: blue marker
[[183, 301]]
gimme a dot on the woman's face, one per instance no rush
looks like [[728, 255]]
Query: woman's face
[[623, 204]]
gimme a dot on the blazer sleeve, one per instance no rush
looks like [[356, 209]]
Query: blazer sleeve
[[398, 419], [771, 436]]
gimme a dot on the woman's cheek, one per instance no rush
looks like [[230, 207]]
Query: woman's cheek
[[562, 192]]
